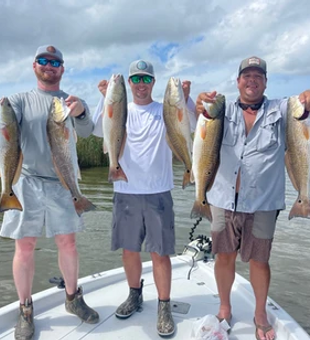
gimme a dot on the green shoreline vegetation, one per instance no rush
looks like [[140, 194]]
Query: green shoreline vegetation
[[90, 152]]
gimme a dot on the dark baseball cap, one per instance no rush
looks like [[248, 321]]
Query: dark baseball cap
[[253, 62], [49, 50], [141, 67]]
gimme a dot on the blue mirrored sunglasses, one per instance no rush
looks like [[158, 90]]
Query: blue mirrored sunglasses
[[145, 78], [44, 62]]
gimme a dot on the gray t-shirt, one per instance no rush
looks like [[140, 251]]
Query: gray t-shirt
[[32, 109]]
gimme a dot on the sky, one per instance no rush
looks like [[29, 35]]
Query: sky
[[202, 41]]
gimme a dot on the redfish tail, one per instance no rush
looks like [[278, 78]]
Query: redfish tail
[[186, 179], [201, 209], [10, 201], [82, 205], [117, 174], [301, 208]]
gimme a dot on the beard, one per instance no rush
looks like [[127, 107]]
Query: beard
[[48, 78]]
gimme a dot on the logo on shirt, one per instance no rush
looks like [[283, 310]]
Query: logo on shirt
[[157, 117]]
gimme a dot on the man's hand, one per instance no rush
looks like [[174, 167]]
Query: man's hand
[[186, 86], [75, 105], [102, 86], [304, 98], [207, 97]]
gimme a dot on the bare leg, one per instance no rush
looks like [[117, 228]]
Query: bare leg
[[68, 261], [23, 267], [225, 275], [133, 267], [260, 280], [162, 275]]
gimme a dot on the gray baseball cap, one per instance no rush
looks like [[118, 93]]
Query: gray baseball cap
[[49, 50], [253, 62], [141, 67]]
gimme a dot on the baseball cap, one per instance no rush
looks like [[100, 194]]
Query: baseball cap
[[141, 67], [253, 62], [50, 51]]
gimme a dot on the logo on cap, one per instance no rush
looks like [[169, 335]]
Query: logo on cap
[[141, 65], [51, 49], [254, 61]]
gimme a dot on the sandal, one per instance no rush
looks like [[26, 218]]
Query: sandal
[[265, 329], [227, 321]]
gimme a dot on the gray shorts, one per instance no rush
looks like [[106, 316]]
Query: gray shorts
[[138, 218], [250, 234], [45, 204]]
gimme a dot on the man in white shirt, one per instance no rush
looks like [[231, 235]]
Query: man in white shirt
[[143, 206]]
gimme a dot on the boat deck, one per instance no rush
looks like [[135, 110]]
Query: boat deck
[[192, 298]]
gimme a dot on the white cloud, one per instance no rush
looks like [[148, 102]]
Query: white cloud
[[196, 40]]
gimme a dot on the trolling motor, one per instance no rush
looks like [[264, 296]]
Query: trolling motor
[[199, 249]]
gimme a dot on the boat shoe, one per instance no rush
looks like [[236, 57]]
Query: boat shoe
[[165, 323], [79, 308], [25, 327], [132, 304]]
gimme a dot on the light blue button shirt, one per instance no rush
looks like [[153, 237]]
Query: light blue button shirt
[[259, 157]]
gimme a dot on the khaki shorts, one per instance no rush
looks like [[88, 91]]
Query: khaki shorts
[[143, 218], [46, 204], [250, 234]]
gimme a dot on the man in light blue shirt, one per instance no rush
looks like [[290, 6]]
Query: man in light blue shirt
[[249, 187]]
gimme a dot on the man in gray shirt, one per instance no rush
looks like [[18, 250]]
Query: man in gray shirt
[[249, 187], [46, 203]]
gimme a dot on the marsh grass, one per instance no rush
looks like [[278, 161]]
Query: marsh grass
[[89, 151]]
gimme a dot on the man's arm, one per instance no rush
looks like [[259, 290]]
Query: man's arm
[[84, 126], [97, 118]]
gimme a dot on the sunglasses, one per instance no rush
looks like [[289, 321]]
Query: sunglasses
[[44, 62], [146, 79]]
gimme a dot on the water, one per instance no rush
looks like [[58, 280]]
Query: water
[[289, 260]]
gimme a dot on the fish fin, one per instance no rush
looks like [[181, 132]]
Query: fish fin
[[305, 131], [123, 145], [186, 179], [117, 174], [66, 133], [82, 205], [203, 131], [79, 176], [301, 208], [192, 177], [177, 156], [75, 136], [5, 133], [211, 181], [201, 209], [60, 177], [290, 171], [110, 111], [105, 149], [180, 115], [10, 201], [18, 169]]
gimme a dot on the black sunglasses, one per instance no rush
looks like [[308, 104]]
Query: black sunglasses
[[254, 107], [44, 62], [145, 78]]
